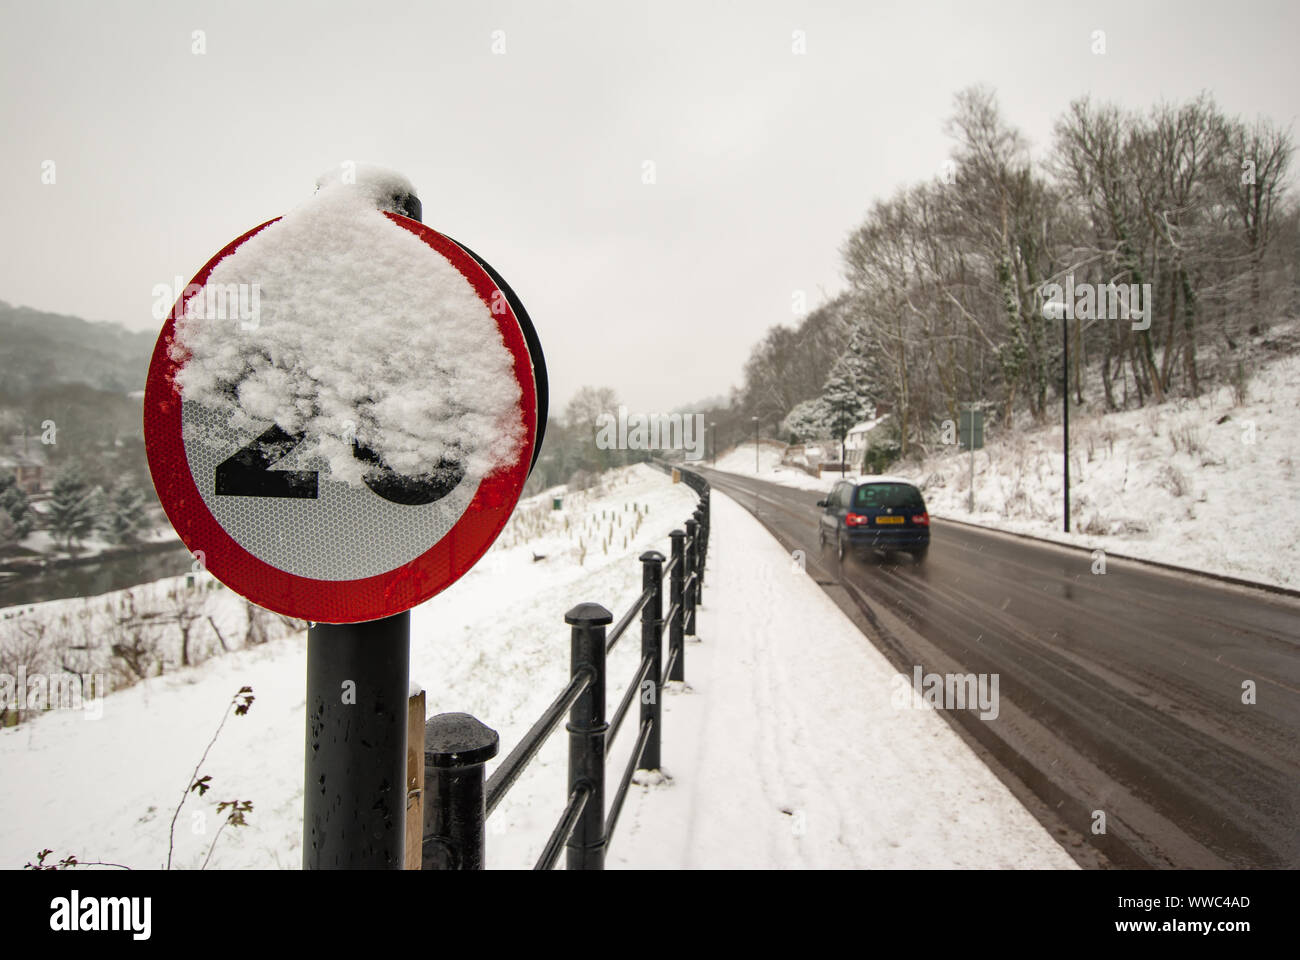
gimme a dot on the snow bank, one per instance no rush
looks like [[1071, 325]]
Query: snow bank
[[360, 331]]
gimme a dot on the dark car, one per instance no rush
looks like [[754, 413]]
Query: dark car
[[875, 515]]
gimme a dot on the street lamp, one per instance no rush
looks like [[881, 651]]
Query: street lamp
[[1055, 310], [713, 435], [755, 419]]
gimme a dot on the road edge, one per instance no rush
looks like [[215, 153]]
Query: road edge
[[1186, 571]]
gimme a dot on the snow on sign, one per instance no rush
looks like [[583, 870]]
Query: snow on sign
[[342, 408]]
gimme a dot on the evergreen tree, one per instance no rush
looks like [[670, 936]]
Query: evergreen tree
[[861, 367], [845, 404], [13, 503], [125, 516], [808, 421], [73, 508]]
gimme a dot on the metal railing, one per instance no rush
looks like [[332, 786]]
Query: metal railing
[[458, 800]]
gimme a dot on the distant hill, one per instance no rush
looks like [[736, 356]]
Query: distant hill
[[38, 349]]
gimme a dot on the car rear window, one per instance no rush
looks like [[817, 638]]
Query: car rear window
[[876, 496]]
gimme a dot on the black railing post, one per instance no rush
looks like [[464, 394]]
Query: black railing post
[[703, 537], [676, 625], [692, 588], [699, 556], [456, 746], [587, 729], [708, 522], [652, 633]]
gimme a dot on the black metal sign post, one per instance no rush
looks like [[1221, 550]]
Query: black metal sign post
[[358, 676], [358, 683], [1065, 417], [1055, 310], [354, 800]]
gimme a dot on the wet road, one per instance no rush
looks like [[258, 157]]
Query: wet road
[[1120, 693]]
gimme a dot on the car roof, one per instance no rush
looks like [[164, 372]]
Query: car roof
[[883, 478]]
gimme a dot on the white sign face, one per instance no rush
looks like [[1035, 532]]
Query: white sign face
[[317, 527]]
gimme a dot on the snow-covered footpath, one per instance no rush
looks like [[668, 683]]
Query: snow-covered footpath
[[785, 748], [1208, 484]]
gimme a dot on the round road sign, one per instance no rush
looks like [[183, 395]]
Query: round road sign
[[294, 540]]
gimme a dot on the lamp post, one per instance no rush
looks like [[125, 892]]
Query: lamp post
[[1055, 310], [713, 437], [755, 419], [843, 451]]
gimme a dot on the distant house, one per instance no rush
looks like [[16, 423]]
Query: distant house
[[859, 438], [23, 457]]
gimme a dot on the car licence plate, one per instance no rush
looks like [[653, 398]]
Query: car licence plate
[[889, 519]]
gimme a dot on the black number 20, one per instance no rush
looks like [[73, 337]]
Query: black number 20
[[248, 473]]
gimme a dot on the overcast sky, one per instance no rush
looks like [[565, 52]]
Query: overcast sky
[[764, 158]]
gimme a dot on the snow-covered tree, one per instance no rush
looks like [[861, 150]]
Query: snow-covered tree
[[845, 403], [124, 516], [73, 510], [809, 420], [859, 365], [13, 503]]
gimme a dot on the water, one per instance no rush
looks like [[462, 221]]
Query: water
[[89, 579]]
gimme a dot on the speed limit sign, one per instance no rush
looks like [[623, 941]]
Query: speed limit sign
[[286, 447]]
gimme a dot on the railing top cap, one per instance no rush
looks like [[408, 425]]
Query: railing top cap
[[651, 556], [677, 533], [591, 614], [458, 740]]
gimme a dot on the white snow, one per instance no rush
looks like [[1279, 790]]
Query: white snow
[[740, 459], [379, 186], [788, 708], [361, 331]]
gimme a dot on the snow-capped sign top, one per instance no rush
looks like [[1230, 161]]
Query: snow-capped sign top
[[385, 189], [341, 408]]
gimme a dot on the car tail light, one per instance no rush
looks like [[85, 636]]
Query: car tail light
[[923, 519], [856, 519]]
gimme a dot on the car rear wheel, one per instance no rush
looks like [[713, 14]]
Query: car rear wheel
[[918, 555], [839, 547]]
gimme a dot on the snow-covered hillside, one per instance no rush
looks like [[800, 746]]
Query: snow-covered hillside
[[1209, 483]]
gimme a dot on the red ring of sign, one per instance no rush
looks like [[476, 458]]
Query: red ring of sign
[[333, 601]]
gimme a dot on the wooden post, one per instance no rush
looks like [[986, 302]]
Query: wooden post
[[414, 782]]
